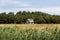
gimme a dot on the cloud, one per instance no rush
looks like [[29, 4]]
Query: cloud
[[12, 4], [17, 5], [49, 10]]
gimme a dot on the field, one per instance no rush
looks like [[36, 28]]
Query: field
[[38, 26], [34, 32]]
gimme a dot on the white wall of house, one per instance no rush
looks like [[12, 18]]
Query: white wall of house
[[30, 21]]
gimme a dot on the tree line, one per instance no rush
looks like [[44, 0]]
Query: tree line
[[21, 16]]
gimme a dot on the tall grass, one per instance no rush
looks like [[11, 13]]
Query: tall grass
[[13, 33]]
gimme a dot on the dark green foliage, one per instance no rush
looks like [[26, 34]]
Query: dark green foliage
[[21, 17]]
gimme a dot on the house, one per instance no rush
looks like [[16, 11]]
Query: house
[[30, 21]]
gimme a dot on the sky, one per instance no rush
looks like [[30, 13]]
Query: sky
[[48, 6]]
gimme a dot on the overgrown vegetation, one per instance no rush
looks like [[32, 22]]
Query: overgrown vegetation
[[13, 33], [21, 16]]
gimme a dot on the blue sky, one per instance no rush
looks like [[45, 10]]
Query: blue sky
[[48, 6]]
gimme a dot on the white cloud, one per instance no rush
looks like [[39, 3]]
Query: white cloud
[[13, 3], [7, 4], [50, 10]]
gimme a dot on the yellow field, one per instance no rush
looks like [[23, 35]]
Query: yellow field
[[38, 26]]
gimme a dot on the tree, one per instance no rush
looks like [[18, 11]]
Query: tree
[[3, 17], [11, 17], [21, 16]]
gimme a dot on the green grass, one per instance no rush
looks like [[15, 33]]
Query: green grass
[[13, 33]]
